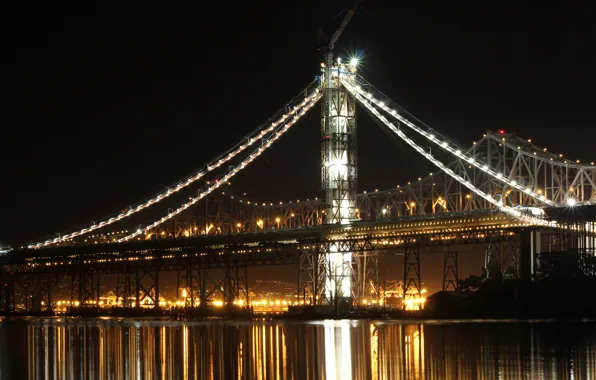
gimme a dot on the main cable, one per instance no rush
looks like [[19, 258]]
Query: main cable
[[499, 204], [279, 118], [307, 104], [444, 143]]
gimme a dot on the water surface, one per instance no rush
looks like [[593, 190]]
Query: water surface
[[59, 348]]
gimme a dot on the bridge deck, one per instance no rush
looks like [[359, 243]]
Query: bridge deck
[[213, 243]]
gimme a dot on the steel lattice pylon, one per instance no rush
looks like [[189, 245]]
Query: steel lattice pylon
[[412, 280], [450, 270], [338, 174]]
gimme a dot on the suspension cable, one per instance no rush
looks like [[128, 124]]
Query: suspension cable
[[307, 104], [499, 204], [443, 142], [279, 118]]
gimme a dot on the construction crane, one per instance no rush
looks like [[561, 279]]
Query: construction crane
[[326, 46]]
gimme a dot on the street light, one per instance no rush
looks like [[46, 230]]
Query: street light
[[571, 202]]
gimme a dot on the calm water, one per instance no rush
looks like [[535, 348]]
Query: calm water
[[125, 349]]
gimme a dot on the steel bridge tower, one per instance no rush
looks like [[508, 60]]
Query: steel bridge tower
[[338, 171]]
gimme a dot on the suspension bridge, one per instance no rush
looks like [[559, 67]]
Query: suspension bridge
[[516, 199]]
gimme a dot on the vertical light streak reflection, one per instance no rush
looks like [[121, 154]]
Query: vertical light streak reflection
[[138, 351], [276, 352], [83, 351], [102, 358], [46, 343], [196, 346], [254, 348], [58, 353], [346, 350], [31, 344], [422, 357], [374, 351], [71, 354], [240, 357], [162, 351], [283, 352], [265, 350], [329, 350], [185, 352]]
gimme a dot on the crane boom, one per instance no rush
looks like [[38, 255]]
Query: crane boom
[[343, 24]]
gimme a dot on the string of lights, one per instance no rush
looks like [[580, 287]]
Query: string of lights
[[537, 152], [279, 118], [445, 144], [499, 204], [307, 104]]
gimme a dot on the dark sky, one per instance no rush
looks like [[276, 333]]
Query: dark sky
[[105, 104]]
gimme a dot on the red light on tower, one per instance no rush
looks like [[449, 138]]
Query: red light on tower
[[502, 131]]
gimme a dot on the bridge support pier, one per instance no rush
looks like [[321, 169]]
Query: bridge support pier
[[85, 288], [147, 287], [530, 249], [41, 296], [366, 282], [125, 288], [236, 286], [6, 291], [311, 278], [450, 270], [191, 285], [412, 283], [501, 258]]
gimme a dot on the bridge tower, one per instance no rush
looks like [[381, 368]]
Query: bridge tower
[[338, 171]]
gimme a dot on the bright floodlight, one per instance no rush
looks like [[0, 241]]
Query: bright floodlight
[[571, 202], [354, 62]]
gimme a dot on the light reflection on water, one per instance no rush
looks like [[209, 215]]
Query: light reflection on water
[[124, 349]]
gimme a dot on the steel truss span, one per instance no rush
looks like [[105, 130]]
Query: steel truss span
[[462, 180], [138, 268]]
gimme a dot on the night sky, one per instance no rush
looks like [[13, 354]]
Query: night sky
[[105, 104]]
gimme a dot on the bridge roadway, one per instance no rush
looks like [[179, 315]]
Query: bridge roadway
[[269, 247]]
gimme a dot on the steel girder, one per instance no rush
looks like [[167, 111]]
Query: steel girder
[[450, 270], [162, 260], [515, 158], [6, 291], [371, 243]]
